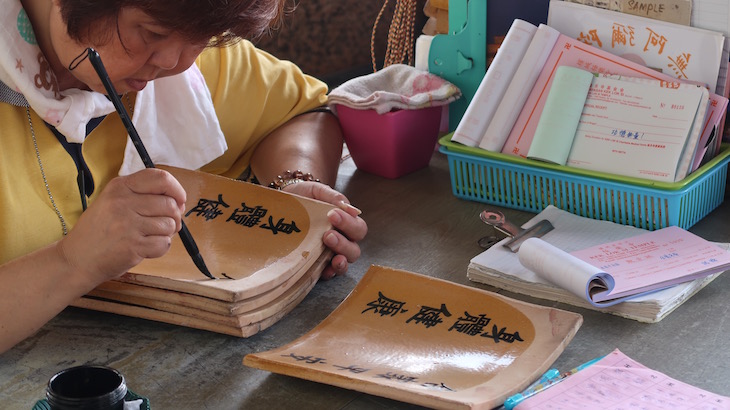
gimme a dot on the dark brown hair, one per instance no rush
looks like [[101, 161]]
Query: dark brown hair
[[220, 21]]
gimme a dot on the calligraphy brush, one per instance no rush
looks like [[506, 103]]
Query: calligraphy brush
[[185, 236]]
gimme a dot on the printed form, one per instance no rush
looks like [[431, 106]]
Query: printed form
[[655, 260], [637, 130]]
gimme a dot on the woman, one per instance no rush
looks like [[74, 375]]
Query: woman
[[76, 205]]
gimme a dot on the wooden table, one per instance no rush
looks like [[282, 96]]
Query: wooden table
[[415, 224]]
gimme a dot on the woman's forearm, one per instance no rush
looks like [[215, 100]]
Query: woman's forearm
[[37, 287], [310, 142]]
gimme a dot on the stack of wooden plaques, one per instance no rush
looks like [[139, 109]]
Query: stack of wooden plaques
[[263, 246]]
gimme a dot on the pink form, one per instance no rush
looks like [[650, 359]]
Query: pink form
[[619, 382], [655, 260]]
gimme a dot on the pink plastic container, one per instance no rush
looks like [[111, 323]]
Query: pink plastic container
[[391, 144]]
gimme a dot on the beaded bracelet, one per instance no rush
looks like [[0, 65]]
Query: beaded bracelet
[[290, 177]]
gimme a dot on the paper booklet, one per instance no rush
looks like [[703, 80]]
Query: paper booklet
[[489, 94], [559, 121], [636, 127], [501, 268], [684, 52], [698, 52], [617, 271], [520, 88], [574, 53]]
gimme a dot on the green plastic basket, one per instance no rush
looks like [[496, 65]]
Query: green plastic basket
[[528, 185]]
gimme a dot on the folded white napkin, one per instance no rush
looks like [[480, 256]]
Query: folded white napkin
[[397, 86], [174, 116]]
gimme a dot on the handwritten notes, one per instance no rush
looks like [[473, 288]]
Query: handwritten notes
[[619, 382], [674, 11]]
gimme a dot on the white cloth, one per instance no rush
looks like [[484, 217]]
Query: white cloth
[[133, 404], [175, 119], [423, 51], [174, 116], [397, 86]]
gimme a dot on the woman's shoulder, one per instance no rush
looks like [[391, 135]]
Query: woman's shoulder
[[251, 68], [241, 54]]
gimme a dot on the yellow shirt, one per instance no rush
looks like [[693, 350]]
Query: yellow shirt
[[253, 94]]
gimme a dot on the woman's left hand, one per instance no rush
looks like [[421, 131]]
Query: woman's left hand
[[348, 230]]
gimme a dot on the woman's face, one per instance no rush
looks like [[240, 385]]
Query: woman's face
[[140, 51]]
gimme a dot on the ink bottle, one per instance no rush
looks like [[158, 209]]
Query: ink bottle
[[87, 387]]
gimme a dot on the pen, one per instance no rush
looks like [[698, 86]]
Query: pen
[[185, 236], [549, 375], [518, 398], [515, 399]]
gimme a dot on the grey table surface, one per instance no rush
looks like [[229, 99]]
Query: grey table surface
[[416, 224]]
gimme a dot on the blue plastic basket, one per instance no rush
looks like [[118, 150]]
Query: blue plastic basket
[[518, 183]]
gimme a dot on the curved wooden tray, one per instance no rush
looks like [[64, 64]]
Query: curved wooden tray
[[427, 341], [257, 236], [242, 325]]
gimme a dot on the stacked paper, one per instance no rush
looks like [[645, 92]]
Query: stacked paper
[[511, 100], [501, 268]]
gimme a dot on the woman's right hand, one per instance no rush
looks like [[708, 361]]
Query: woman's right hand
[[134, 217]]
